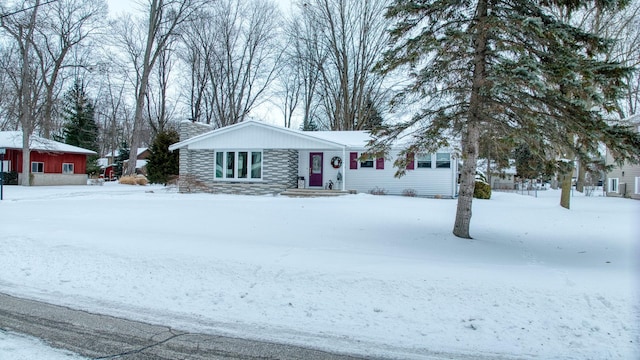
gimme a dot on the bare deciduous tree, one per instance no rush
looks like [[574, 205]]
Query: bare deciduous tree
[[350, 37], [21, 26], [65, 25], [241, 57], [164, 19]]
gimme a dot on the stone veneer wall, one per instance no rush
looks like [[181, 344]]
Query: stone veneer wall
[[279, 170]]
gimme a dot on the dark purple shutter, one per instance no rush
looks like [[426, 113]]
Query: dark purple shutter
[[411, 163], [353, 160], [380, 163]]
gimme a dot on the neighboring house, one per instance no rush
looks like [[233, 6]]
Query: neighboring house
[[52, 162], [499, 178], [107, 163], [256, 158], [624, 180]]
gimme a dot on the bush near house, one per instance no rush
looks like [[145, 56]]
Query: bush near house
[[133, 180], [9, 178], [482, 190]]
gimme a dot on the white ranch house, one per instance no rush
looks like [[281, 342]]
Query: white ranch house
[[256, 158]]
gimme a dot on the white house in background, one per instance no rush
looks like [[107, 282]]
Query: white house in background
[[624, 180], [499, 178], [107, 163], [256, 158]]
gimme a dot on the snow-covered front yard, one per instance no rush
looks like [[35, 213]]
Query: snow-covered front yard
[[375, 275]]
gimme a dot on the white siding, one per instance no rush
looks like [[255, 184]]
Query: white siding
[[425, 182]]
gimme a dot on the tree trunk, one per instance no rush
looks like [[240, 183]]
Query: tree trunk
[[467, 181], [471, 136], [147, 65], [26, 112], [581, 176], [565, 196]]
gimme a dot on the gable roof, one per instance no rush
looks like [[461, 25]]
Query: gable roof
[[13, 140], [258, 135], [117, 152]]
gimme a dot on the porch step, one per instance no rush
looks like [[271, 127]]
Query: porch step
[[315, 192]]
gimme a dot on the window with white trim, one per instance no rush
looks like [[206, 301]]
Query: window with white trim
[[637, 184], [443, 160], [67, 168], [612, 186], [238, 165], [424, 161], [37, 167], [366, 163]]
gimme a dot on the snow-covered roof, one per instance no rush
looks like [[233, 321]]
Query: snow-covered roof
[[264, 135], [103, 162], [510, 170], [258, 135], [117, 152], [13, 140], [354, 139]]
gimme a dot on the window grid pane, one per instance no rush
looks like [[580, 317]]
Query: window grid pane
[[256, 165], [443, 160], [219, 164], [37, 167], [67, 168], [424, 161], [242, 164], [231, 160]]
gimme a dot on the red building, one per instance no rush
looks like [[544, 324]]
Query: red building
[[52, 162]]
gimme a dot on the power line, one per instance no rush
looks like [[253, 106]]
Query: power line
[[2, 16]]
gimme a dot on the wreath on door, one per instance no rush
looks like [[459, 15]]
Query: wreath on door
[[336, 162]]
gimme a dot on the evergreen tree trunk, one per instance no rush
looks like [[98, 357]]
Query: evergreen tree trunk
[[471, 137], [565, 197]]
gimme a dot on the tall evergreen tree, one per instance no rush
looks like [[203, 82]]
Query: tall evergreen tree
[[527, 166], [509, 65], [80, 128], [162, 164], [123, 155]]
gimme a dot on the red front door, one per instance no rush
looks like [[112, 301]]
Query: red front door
[[315, 169]]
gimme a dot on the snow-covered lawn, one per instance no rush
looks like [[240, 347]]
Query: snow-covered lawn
[[377, 275]]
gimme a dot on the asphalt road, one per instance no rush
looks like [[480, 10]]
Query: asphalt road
[[105, 337]]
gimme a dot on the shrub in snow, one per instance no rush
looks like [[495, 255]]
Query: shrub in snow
[[409, 193], [133, 180], [377, 191], [482, 190]]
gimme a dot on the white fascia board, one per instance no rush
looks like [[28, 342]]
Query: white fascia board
[[200, 141]]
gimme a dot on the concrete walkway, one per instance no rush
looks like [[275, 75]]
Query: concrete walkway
[[106, 337]]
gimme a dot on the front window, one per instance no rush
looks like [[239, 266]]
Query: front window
[[219, 164], [443, 160], [613, 185], [366, 163], [67, 168], [238, 165], [256, 165], [243, 158], [37, 167], [424, 161], [231, 160]]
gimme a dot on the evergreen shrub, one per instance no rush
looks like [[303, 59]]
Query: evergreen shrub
[[482, 190]]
